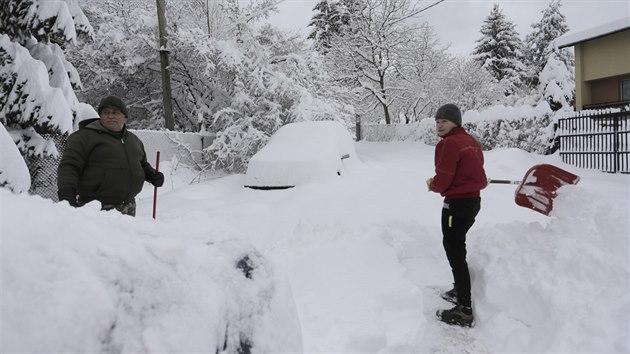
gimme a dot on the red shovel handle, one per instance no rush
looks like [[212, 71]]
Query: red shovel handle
[[157, 169]]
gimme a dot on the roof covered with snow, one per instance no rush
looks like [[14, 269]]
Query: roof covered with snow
[[575, 37]]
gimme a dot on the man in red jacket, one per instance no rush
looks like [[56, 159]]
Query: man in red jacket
[[459, 178]]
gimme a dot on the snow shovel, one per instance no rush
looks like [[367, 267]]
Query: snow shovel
[[538, 188]]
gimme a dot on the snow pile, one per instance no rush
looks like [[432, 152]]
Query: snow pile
[[566, 279], [362, 255], [81, 280], [299, 153]]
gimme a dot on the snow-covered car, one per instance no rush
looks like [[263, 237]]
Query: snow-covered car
[[300, 153]]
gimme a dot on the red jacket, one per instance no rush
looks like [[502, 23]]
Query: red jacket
[[459, 169]]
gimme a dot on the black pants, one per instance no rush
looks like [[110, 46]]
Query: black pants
[[458, 215]]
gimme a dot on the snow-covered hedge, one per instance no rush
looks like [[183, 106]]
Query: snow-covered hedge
[[524, 127]]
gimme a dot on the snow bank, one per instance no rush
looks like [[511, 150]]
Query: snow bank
[[103, 286], [362, 255], [551, 288]]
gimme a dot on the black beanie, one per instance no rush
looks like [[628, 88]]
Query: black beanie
[[450, 112], [112, 101]]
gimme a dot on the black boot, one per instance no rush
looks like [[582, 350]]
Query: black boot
[[450, 296], [458, 315]]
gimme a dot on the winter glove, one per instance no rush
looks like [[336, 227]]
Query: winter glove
[[157, 179], [68, 194], [429, 181]]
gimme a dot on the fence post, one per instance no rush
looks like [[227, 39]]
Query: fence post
[[617, 155], [357, 119]]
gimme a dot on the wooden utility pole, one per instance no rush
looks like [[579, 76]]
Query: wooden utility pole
[[167, 97]]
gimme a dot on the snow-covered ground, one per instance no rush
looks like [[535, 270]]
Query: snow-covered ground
[[352, 265]]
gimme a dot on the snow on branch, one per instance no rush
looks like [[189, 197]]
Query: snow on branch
[[13, 171], [29, 100]]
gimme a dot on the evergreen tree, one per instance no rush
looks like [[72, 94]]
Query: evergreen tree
[[556, 82], [500, 51], [333, 19], [348, 10], [537, 44], [326, 23], [37, 83]]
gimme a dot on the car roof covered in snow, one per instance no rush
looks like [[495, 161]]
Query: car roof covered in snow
[[300, 152]]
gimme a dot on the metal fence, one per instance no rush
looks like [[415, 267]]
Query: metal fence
[[596, 140]]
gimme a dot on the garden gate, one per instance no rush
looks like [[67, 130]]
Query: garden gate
[[596, 139]]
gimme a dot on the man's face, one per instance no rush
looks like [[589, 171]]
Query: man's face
[[444, 126], [113, 119]]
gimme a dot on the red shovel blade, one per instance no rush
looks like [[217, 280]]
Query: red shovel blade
[[539, 186]]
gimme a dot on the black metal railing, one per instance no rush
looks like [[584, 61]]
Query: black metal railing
[[596, 139]]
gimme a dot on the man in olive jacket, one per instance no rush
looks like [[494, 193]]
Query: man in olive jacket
[[105, 162]]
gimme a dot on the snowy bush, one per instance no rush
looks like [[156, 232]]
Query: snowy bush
[[524, 127]]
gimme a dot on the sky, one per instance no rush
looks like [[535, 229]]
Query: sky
[[350, 264], [458, 21]]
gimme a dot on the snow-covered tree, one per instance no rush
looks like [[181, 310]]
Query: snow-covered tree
[[500, 51], [421, 78], [127, 32], [246, 81], [470, 86], [229, 75], [13, 171], [37, 83], [266, 90], [537, 44], [368, 56], [327, 23], [556, 82]]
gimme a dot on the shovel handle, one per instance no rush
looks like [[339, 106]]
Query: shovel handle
[[503, 181], [157, 168]]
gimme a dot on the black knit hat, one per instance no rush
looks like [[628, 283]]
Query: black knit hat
[[450, 112], [112, 101]]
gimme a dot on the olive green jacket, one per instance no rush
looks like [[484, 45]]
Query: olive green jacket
[[102, 165]]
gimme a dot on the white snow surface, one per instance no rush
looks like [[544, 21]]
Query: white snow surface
[[359, 256], [300, 153]]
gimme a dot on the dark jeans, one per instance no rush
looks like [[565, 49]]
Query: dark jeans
[[458, 215]]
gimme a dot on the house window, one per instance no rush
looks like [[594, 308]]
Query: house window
[[625, 90]]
